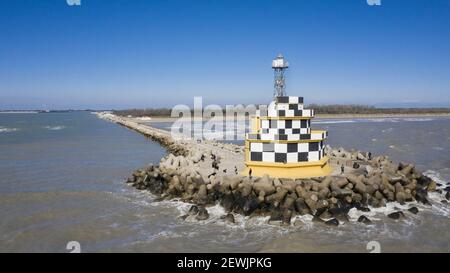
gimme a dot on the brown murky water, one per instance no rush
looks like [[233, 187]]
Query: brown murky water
[[61, 180]]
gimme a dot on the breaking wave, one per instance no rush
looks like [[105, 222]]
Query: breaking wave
[[55, 128], [7, 130], [360, 120], [333, 121]]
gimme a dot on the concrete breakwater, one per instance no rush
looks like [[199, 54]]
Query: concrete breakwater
[[160, 136], [207, 173]]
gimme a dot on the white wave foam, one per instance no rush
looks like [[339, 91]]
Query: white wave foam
[[306, 221], [418, 119], [385, 120], [7, 130], [436, 197], [55, 128], [242, 223], [18, 112], [165, 234], [260, 224], [333, 121], [436, 176], [395, 120]]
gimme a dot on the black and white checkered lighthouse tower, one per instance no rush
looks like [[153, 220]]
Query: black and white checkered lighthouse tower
[[281, 143]]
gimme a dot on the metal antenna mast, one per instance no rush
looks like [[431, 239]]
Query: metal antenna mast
[[279, 65]]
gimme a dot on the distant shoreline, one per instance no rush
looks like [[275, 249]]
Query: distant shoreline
[[19, 112], [149, 118], [323, 116], [38, 111]]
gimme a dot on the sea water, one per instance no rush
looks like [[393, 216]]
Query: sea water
[[62, 179]]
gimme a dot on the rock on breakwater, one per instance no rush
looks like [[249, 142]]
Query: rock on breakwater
[[160, 136], [373, 183], [230, 156], [207, 173]]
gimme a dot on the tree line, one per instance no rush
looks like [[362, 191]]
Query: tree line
[[319, 109]]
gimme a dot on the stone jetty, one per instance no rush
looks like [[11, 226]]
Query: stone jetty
[[207, 173]]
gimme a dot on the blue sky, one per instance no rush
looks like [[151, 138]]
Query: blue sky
[[141, 53]]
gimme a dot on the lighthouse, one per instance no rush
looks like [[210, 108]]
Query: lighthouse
[[281, 142]]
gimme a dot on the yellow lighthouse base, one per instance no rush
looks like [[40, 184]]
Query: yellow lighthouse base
[[289, 170]]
